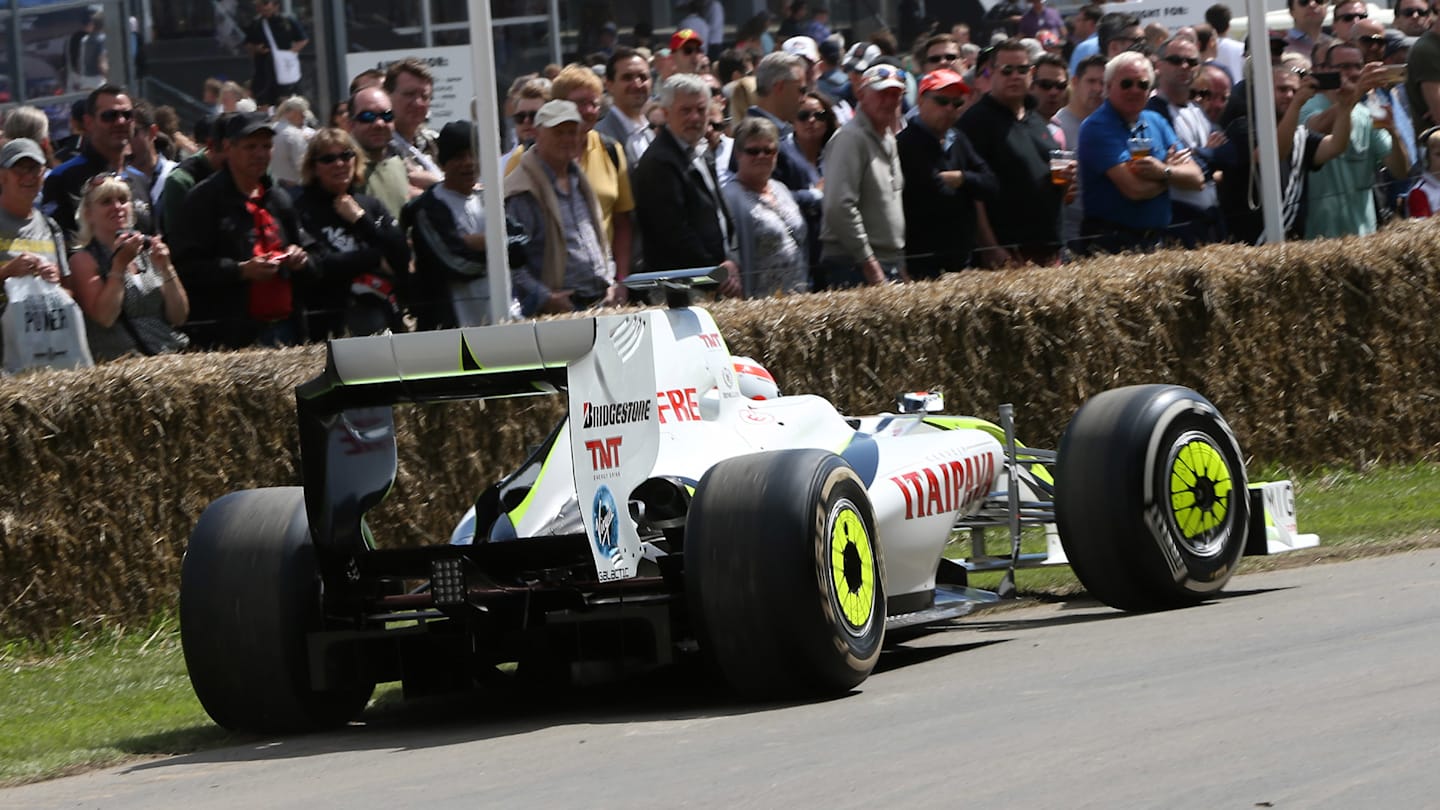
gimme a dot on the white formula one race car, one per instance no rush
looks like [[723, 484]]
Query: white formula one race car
[[682, 514]]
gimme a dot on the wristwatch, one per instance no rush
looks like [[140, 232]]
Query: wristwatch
[[1167, 174]]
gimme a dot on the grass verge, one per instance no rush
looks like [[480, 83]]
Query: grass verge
[[109, 696]]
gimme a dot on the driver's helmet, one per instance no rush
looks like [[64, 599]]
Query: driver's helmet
[[754, 379]]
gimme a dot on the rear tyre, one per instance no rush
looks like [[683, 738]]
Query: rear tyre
[[784, 574], [1151, 498], [249, 594]]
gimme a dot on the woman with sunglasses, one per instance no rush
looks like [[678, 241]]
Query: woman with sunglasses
[[769, 226], [123, 280], [814, 124], [359, 249]]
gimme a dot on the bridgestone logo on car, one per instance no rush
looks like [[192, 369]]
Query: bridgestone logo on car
[[616, 413]]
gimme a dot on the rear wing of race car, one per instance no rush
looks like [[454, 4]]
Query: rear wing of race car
[[348, 451], [606, 365]]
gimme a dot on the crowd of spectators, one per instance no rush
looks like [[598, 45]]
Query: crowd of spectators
[[795, 160]]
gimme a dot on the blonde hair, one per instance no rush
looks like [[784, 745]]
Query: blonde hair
[[324, 141], [100, 188], [572, 78]]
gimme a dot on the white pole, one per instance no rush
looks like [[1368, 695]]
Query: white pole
[[492, 174], [1262, 90]]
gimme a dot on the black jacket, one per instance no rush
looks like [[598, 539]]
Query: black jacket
[[214, 236], [342, 251], [1026, 207], [442, 257], [677, 212], [940, 221]]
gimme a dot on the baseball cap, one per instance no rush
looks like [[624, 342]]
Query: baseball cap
[[860, 56], [1048, 38], [939, 81], [242, 124], [883, 77], [684, 35], [556, 112], [829, 51], [455, 139], [1396, 41], [17, 150], [802, 46]]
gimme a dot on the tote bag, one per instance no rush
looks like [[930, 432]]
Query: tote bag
[[42, 327]]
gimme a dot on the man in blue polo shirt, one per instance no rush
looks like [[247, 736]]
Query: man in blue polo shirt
[[1127, 199]]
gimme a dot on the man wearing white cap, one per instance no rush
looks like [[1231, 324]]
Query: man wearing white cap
[[549, 196], [805, 48], [862, 234]]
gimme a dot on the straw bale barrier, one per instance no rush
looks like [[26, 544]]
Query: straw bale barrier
[[1318, 353]]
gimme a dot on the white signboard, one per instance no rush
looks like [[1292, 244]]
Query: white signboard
[[1172, 14], [454, 86]]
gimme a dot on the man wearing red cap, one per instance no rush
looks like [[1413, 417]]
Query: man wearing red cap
[[943, 179], [688, 48]]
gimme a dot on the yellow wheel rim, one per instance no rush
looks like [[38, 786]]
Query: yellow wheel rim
[[1200, 490], [852, 567]]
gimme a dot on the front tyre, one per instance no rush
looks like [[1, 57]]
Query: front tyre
[[249, 595], [1151, 497], [784, 574]]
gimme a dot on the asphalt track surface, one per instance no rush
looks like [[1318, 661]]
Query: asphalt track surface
[[1303, 688]]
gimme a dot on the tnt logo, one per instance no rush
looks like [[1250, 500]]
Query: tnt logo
[[711, 339], [604, 453]]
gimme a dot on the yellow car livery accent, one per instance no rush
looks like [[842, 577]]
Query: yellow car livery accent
[[1200, 487], [852, 567]]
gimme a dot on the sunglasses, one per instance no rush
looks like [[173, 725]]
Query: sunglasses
[[942, 57], [346, 156], [717, 126], [760, 151], [1413, 12], [1373, 39], [99, 180], [692, 48], [1011, 70], [946, 101], [809, 115], [1182, 61], [111, 116], [1126, 84], [1051, 84], [1312, 2], [370, 116], [524, 117], [885, 72], [1351, 17], [1200, 95]]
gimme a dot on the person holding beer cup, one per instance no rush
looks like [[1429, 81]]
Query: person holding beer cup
[[1130, 158]]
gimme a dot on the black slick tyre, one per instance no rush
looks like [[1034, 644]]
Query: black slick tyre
[[784, 574], [249, 594], [1151, 497]]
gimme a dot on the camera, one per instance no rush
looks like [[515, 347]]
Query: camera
[[1326, 81], [145, 242]]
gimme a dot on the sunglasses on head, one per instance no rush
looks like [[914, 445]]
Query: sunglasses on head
[[942, 57], [371, 116], [524, 117], [1126, 84], [946, 101], [1182, 61], [111, 116], [99, 180], [346, 156], [886, 72], [1051, 84], [760, 151], [1351, 17]]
